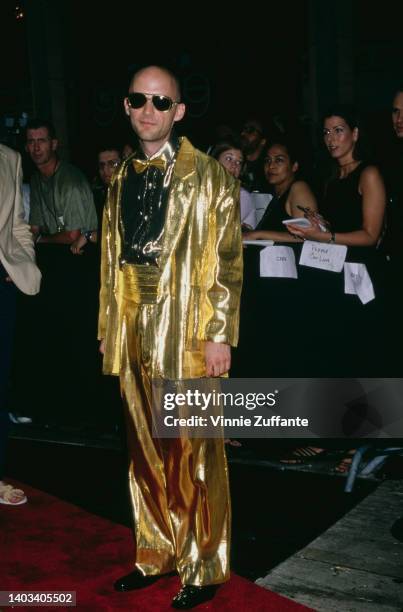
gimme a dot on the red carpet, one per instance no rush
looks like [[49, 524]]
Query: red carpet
[[50, 545]]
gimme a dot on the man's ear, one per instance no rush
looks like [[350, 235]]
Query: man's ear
[[180, 111], [55, 143], [126, 106], [295, 167]]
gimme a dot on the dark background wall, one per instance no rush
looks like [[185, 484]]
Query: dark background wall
[[71, 60]]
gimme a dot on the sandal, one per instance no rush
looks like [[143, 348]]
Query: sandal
[[304, 454], [343, 467], [11, 496], [231, 442]]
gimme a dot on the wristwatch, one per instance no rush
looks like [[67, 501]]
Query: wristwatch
[[87, 235]]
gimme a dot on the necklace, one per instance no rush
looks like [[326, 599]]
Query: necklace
[[52, 210], [281, 192]]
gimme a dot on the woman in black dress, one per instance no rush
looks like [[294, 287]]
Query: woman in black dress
[[354, 206], [291, 196], [354, 199]]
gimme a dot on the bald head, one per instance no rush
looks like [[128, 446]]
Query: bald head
[[155, 74], [153, 124]]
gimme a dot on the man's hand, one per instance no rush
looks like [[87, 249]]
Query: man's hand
[[65, 237], [102, 347], [77, 245], [218, 358]]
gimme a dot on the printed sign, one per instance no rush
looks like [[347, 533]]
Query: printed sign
[[278, 262]]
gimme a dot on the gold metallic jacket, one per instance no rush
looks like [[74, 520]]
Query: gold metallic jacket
[[200, 262]]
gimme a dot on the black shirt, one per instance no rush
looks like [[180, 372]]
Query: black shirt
[[144, 203]]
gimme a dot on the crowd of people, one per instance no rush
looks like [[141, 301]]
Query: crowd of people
[[170, 289]]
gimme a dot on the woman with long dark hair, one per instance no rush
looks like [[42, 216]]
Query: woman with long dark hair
[[353, 206], [291, 195], [354, 197]]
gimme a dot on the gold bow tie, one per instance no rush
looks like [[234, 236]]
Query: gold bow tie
[[142, 164]]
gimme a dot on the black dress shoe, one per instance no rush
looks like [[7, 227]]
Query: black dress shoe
[[190, 596], [136, 580]]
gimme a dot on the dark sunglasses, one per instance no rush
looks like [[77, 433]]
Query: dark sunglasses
[[161, 103]]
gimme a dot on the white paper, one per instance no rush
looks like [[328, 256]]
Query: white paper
[[323, 256], [298, 221], [357, 281], [248, 210], [261, 202], [278, 262], [262, 243]]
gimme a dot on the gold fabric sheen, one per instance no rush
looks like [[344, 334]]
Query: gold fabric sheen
[[179, 486], [200, 263], [140, 283], [155, 321], [140, 165]]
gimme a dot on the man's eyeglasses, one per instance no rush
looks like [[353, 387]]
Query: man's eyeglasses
[[161, 103]]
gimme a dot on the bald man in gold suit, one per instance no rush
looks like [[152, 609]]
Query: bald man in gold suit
[[171, 282]]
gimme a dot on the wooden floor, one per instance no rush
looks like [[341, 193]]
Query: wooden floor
[[355, 566]]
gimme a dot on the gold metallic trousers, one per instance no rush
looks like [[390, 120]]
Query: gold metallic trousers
[[178, 486]]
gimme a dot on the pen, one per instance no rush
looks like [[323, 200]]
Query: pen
[[304, 209]]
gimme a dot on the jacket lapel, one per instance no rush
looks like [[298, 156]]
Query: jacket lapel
[[180, 199], [5, 192]]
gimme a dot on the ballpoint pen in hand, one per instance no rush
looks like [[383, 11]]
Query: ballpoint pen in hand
[[323, 224], [305, 209]]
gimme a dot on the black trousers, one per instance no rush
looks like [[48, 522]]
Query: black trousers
[[7, 323]]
